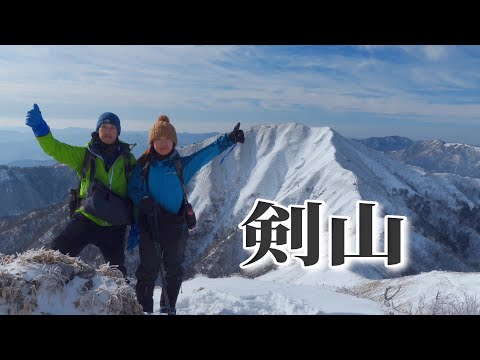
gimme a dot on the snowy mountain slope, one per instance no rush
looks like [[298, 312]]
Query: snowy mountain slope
[[33, 230], [378, 175], [288, 163], [430, 201], [431, 155], [24, 189], [435, 292], [43, 282], [291, 163], [241, 296], [432, 293], [47, 282], [440, 156]]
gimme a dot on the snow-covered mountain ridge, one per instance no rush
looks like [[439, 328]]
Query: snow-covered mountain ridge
[[291, 163]]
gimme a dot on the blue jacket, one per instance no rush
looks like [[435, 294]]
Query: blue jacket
[[163, 182]]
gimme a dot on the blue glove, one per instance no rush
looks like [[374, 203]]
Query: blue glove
[[133, 237], [36, 122]]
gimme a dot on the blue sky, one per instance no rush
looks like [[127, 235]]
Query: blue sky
[[422, 92]]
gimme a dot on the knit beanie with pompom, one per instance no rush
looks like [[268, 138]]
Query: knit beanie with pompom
[[163, 128]]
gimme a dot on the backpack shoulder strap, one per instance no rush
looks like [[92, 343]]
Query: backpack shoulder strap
[[127, 156], [88, 160], [86, 163], [92, 174], [128, 164], [178, 168], [145, 171]]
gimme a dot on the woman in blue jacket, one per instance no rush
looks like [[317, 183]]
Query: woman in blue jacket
[[155, 188]]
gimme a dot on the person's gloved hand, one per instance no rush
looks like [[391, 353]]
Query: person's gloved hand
[[36, 122], [147, 204], [237, 135], [133, 237]]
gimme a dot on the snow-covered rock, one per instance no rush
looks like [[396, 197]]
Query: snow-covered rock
[[48, 282]]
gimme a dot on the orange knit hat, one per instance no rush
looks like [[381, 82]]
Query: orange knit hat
[[163, 128]]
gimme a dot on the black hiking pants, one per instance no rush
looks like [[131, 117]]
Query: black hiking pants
[[167, 247], [81, 231]]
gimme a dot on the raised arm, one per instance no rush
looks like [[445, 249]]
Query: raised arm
[[194, 162], [64, 153]]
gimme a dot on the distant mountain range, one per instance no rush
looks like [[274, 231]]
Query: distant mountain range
[[20, 148], [387, 143], [434, 156], [32, 163]]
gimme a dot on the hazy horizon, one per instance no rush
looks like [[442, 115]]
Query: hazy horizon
[[24, 129], [416, 91]]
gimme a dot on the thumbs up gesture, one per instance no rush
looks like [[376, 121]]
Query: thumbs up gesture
[[36, 122], [237, 135]]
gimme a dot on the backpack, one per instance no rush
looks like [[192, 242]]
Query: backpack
[[89, 160]]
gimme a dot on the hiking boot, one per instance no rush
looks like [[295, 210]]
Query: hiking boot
[[145, 296], [164, 310]]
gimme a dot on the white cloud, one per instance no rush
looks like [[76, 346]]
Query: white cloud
[[429, 52], [435, 52], [236, 78], [371, 47]]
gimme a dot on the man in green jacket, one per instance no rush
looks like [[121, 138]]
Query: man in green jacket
[[111, 169]]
